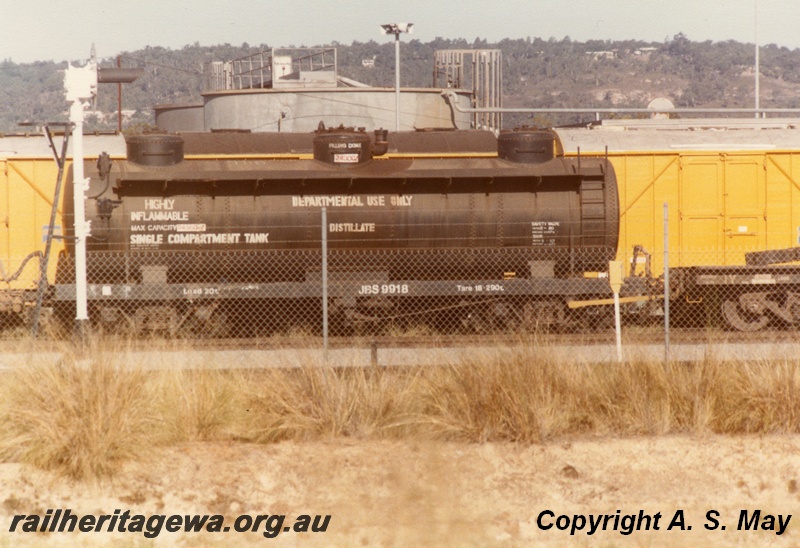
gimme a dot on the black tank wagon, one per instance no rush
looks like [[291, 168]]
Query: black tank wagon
[[460, 228]]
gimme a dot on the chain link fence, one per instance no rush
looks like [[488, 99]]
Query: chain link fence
[[428, 282]]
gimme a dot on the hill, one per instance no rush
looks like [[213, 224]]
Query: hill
[[536, 72]]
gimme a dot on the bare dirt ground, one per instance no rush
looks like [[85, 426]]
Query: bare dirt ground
[[436, 494]]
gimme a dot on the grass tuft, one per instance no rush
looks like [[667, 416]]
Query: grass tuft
[[197, 405], [313, 402], [78, 418]]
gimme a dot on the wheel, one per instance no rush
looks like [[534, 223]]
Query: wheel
[[544, 315], [595, 318], [207, 321], [744, 318], [114, 320], [491, 317], [156, 319]]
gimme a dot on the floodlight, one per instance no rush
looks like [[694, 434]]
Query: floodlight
[[397, 28]]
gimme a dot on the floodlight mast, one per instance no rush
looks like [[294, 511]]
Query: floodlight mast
[[757, 91], [397, 29]]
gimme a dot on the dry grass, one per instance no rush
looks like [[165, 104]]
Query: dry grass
[[197, 405], [759, 397], [521, 397], [79, 418], [83, 417], [500, 399], [313, 402]]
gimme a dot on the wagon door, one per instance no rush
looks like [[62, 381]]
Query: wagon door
[[701, 210], [744, 228]]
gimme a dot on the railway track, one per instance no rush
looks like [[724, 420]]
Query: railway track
[[687, 345], [630, 336]]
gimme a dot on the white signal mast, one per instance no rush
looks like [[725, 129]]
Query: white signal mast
[[80, 85]]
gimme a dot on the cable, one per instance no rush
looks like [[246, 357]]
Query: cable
[[5, 276]]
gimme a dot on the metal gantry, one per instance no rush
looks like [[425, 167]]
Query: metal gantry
[[479, 71]]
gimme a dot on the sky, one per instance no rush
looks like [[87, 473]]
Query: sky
[[44, 30]]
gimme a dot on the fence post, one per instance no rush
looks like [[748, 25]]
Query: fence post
[[615, 280], [325, 284], [666, 284]]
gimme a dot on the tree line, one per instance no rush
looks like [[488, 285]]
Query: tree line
[[536, 73]]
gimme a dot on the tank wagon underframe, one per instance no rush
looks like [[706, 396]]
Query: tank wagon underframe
[[471, 304]]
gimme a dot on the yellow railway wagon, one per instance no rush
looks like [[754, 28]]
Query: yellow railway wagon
[[731, 187], [28, 177]]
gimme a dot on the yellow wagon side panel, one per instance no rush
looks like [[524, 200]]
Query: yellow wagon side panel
[[721, 205], [782, 172], [646, 181], [30, 185], [5, 214]]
